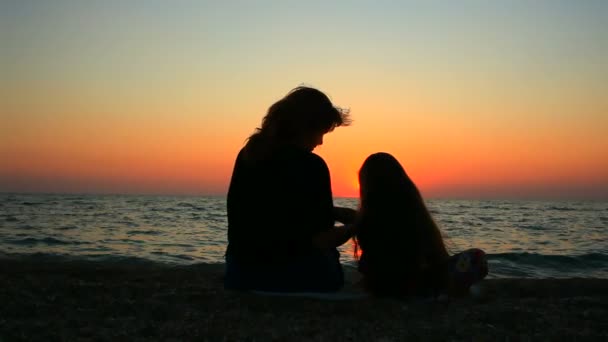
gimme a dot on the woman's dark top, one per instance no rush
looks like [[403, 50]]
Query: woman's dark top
[[276, 205]]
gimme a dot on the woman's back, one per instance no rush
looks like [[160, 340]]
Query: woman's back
[[280, 205], [276, 205]]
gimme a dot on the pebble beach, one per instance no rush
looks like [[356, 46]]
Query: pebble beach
[[89, 301]]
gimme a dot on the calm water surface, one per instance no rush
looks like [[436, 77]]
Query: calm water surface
[[535, 239]]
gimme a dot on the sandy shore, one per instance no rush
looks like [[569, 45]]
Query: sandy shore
[[92, 301]]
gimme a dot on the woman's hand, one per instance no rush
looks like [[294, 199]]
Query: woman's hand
[[344, 215]]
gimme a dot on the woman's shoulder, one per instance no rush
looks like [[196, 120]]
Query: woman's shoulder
[[315, 164], [307, 158], [317, 159], [287, 156]]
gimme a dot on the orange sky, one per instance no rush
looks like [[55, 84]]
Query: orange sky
[[488, 102], [191, 154]]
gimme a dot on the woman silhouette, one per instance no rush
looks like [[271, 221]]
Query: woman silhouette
[[281, 233]]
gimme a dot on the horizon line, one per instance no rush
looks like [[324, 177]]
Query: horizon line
[[454, 198]]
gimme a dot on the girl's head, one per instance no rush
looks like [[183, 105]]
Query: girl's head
[[300, 118], [382, 179], [395, 229]]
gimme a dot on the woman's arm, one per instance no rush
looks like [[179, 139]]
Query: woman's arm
[[344, 215], [318, 214], [333, 237]]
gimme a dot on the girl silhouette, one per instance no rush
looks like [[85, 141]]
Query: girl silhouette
[[399, 246]]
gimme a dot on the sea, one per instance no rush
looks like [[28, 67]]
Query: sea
[[523, 239]]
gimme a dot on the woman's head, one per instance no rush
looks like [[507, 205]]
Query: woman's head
[[301, 118], [395, 228]]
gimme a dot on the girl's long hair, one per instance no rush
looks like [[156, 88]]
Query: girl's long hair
[[304, 111], [396, 234]]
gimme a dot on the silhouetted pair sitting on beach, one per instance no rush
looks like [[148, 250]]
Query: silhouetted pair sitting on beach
[[282, 235]]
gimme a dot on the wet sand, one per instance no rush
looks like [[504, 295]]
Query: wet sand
[[110, 301]]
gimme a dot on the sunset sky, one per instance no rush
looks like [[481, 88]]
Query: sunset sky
[[477, 99]]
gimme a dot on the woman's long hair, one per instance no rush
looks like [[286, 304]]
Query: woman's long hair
[[303, 112], [396, 233]]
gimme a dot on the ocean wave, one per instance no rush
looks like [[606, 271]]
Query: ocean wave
[[534, 265], [26, 227], [144, 232], [165, 210], [82, 202], [32, 203], [490, 207], [68, 227], [176, 256], [562, 208], [61, 257], [184, 245], [502, 265], [600, 257], [189, 205], [45, 241], [533, 227], [130, 224], [216, 216], [122, 241]]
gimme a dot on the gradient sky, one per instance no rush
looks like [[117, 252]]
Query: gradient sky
[[477, 99]]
